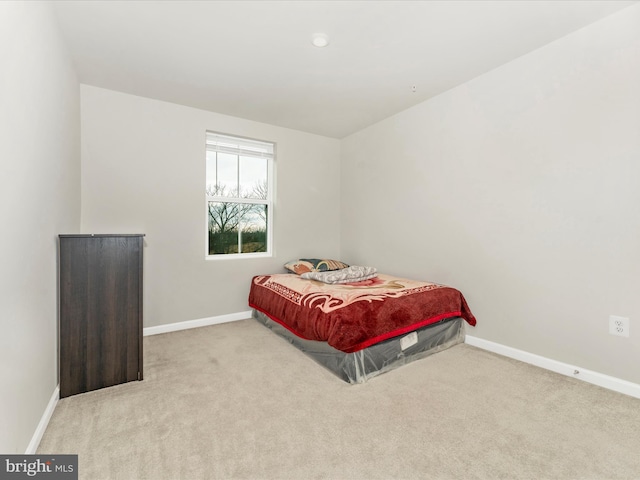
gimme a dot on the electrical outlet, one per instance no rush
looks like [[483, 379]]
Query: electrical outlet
[[618, 326]]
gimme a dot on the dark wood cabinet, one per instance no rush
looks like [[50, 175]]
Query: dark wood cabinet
[[100, 311]]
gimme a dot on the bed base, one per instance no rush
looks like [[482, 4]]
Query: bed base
[[361, 366]]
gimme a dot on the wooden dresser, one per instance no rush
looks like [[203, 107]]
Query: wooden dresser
[[100, 311]]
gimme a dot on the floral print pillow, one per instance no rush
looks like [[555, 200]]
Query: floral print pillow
[[304, 265]]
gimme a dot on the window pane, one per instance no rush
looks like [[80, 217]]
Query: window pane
[[253, 229], [227, 175], [237, 228], [253, 177]]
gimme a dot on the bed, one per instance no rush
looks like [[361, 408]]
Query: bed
[[361, 329]]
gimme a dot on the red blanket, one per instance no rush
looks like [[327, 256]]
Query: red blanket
[[350, 317]]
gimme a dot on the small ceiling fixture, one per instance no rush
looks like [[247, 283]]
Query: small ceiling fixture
[[320, 40]]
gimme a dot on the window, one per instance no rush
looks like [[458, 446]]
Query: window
[[238, 195]]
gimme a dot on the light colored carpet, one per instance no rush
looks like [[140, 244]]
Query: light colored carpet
[[234, 401]]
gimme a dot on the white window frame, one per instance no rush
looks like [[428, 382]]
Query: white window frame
[[246, 147]]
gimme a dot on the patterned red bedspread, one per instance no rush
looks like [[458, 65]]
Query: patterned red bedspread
[[353, 316]]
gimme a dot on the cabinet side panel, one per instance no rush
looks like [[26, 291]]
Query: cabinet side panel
[[73, 315]]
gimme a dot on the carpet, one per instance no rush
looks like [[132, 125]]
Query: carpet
[[234, 401]]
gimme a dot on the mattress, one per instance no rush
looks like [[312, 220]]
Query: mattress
[[365, 364]]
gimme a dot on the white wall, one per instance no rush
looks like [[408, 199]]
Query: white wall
[[143, 171], [39, 199], [521, 188]]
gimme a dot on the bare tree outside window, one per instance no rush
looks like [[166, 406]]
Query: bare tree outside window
[[237, 227]]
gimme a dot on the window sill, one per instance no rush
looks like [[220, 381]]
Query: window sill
[[237, 256]]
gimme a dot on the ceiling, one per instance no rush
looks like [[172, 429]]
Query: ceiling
[[255, 60]]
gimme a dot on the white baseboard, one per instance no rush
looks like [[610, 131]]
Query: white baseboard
[[595, 378], [44, 421], [201, 322]]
